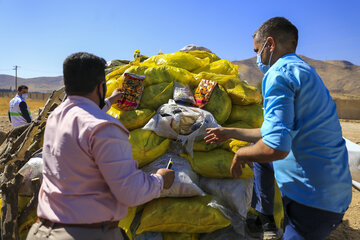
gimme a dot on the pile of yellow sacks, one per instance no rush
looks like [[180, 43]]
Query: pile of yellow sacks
[[233, 104]]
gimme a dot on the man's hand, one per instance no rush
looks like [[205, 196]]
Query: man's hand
[[217, 135], [238, 163], [168, 176], [116, 95]]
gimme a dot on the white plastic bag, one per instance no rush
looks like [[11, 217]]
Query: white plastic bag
[[235, 193], [186, 180], [182, 94], [32, 169], [354, 159], [183, 123]]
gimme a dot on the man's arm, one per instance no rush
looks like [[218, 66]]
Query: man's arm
[[220, 134], [116, 95], [259, 152], [112, 152], [24, 112]]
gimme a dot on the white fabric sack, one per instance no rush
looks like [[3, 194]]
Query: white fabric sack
[[193, 47], [182, 123], [186, 180], [32, 169], [354, 159], [235, 193]]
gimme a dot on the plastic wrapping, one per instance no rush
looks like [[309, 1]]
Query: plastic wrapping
[[183, 94], [203, 92], [235, 193], [132, 88], [186, 124], [354, 159], [32, 169], [186, 182]]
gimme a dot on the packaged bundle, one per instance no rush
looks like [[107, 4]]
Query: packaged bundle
[[183, 94], [203, 92], [132, 88]]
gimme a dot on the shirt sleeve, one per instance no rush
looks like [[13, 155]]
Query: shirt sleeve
[[112, 152], [107, 106], [25, 112], [278, 112]]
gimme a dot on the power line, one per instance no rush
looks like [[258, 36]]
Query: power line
[[16, 68]]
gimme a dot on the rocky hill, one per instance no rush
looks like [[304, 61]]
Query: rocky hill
[[340, 77], [38, 84]]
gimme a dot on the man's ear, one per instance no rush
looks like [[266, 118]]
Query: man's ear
[[271, 43]]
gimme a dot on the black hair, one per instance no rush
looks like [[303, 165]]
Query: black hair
[[21, 87], [281, 29], [82, 73]]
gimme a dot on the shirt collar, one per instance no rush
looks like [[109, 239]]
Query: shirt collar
[[81, 99]]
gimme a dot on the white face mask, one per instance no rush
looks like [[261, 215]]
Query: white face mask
[[24, 95]]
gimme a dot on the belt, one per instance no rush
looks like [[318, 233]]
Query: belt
[[106, 224]]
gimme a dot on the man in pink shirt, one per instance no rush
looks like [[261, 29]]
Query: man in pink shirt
[[89, 178]]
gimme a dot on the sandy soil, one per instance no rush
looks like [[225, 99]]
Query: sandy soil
[[350, 228]]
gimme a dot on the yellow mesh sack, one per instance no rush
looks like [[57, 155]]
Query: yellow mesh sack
[[156, 95], [111, 85], [278, 208], [137, 69], [203, 54], [118, 71], [219, 105], [233, 145], [132, 119], [147, 146], [223, 80], [165, 73], [220, 67], [250, 114], [202, 146], [244, 94], [215, 164], [174, 215], [179, 59], [237, 124], [125, 223], [180, 236], [239, 91]]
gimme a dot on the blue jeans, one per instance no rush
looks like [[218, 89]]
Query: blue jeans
[[302, 222], [263, 193]]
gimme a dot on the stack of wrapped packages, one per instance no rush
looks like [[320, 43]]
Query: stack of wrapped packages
[[168, 102]]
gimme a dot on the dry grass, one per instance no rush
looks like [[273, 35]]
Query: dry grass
[[33, 104]]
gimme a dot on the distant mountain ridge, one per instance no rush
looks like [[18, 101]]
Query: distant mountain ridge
[[38, 84], [340, 77]]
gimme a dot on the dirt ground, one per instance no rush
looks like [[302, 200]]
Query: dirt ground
[[350, 228]]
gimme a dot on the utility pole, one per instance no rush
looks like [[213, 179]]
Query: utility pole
[[16, 68]]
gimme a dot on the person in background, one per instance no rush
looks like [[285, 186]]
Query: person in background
[[89, 177], [19, 113], [301, 135]]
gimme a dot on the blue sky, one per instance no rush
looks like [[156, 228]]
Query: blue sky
[[38, 35]]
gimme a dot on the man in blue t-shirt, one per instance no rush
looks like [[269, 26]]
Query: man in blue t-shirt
[[301, 136]]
